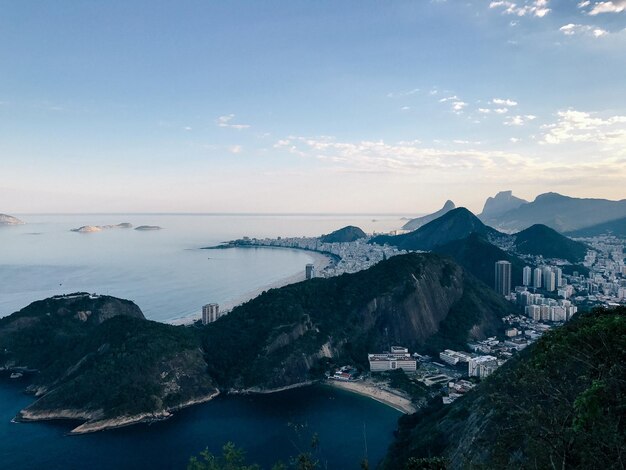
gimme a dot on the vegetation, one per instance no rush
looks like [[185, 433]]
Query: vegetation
[[123, 365], [343, 235], [544, 241], [560, 403], [478, 256], [453, 225], [276, 339]]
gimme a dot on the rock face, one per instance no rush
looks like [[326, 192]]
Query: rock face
[[285, 336], [10, 220], [502, 202], [344, 235], [416, 223], [454, 225], [562, 213], [100, 361]]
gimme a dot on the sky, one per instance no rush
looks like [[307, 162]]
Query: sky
[[308, 106]]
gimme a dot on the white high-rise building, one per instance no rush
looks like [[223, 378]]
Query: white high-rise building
[[549, 279], [527, 276], [558, 273], [210, 313], [537, 278]]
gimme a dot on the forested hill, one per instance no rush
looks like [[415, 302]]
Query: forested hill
[[559, 404], [422, 301]]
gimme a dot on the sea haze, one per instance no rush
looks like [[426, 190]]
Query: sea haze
[[163, 271]]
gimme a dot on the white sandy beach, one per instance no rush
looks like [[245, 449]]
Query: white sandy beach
[[320, 261], [373, 391]]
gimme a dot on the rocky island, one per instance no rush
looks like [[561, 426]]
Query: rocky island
[[146, 228], [10, 220], [100, 228]]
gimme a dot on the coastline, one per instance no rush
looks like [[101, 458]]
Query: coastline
[[370, 390], [320, 261]]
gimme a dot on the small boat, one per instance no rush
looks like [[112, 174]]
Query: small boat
[[16, 375]]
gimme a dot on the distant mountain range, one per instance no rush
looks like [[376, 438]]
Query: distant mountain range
[[9, 220], [344, 235], [501, 203], [562, 213], [613, 227], [474, 245], [416, 223]]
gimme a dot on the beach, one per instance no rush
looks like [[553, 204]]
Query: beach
[[372, 390], [320, 261]]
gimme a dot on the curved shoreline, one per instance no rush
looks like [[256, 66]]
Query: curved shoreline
[[320, 262], [385, 397]]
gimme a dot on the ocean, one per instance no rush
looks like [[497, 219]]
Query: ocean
[[163, 271], [169, 277]]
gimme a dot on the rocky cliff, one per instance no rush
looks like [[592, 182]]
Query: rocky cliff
[[416, 223], [287, 335]]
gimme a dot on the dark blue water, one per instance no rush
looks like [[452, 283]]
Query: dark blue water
[[259, 424]]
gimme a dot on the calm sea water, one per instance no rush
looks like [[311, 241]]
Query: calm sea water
[[166, 274], [260, 424], [163, 271]]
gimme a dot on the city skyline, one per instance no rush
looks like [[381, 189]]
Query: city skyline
[[306, 107]]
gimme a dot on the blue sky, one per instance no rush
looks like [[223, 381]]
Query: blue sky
[[301, 106]]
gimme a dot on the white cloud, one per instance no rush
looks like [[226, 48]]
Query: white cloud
[[614, 6], [484, 110], [571, 29], [398, 94], [504, 102], [537, 8], [408, 157], [235, 149], [226, 121], [501, 110], [580, 126], [519, 120], [457, 104]]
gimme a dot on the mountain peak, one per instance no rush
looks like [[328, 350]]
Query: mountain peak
[[502, 202], [418, 222]]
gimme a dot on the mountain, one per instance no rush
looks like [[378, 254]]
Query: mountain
[[101, 362], [343, 235], [479, 257], [288, 336], [502, 202], [541, 240], [558, 404], [9, 220], [613, 227], [454, 225], [561, 213], [414, 224]]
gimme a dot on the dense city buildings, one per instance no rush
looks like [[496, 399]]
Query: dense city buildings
[[397, 358]]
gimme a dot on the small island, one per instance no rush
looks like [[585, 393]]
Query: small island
[[10, 220], [146, 228], [100, 228]]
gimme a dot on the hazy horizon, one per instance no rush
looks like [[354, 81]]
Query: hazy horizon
[[308, 107]]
